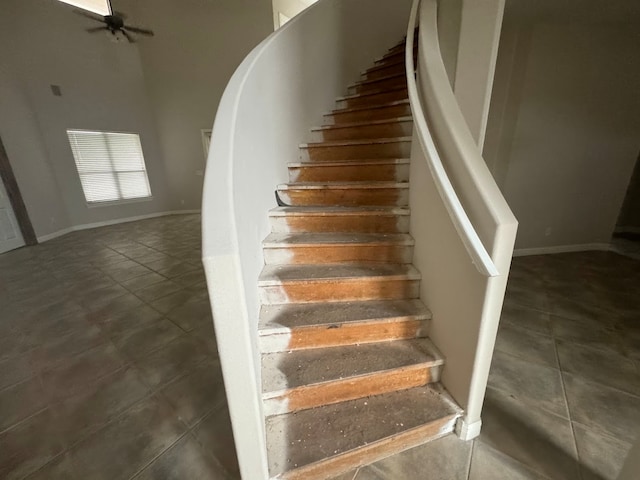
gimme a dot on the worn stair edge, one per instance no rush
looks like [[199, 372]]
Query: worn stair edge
[[371, 93], [352, 388], [337, 211], [355, 143], [342, 185], [406, 429], [373, 452], [362, 219], [293, 240], [288, 318], [277, 275], [348, 333], [395, 76], [413, 363], [350, 163], [377, 106], [299, 327], [364, 123]]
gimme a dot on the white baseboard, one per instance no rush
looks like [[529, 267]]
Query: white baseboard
[[522, 252], [627, 230], [87, 226], [468, 431]]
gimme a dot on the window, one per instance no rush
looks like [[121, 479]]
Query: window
[[101, 7], [110, 165]]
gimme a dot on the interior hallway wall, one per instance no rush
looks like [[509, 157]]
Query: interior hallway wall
[[564, 128]]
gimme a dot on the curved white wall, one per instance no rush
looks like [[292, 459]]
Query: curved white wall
[[278, 93]]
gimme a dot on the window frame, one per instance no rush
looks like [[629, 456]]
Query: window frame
[[117, 201]]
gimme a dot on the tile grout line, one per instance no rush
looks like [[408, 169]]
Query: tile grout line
[[566, 401]]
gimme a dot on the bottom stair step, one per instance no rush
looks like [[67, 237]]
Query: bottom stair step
[[327, 441]]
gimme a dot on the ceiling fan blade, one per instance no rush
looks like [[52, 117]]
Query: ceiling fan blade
[[126, 34], [96, 29], [91, 16], [141, 31]]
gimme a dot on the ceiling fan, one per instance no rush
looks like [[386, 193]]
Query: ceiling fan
[[114, 23]]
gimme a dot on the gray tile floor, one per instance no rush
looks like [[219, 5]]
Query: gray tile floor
[[108, 367], [564, 390], [108, 361]]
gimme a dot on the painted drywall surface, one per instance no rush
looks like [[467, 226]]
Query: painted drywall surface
[[102, 85], [290, 8], [481, 21], [187, 64], [572, 139], [280, 91], [23, 142], [449, 17]]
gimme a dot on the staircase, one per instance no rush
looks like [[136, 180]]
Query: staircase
[[349, 375]]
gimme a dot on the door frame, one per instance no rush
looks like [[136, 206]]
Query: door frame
[[15, 198]]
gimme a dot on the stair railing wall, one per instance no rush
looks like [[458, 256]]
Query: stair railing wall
[[272, 99], [463, 228]]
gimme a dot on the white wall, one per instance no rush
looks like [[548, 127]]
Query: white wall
[[42, 43], [289, 8], [564, 128], [23, 142], [165, 88], [196, 48]]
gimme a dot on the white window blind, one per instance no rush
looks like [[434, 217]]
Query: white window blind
[[101, 7], [111, 165]]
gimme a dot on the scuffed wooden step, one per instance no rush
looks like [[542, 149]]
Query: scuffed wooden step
[[377, 170], [293, 381], [395, 55], [373, 98], [320, 248], [398, 147], [385, 128], [340, 219], [315, 325], [400, 108], [324, 442], [345, 194], [337, 283], [391, 68], [390, 81]]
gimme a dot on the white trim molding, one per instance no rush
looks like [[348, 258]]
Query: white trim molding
[[468, 431], [584, 247], [87, 226]]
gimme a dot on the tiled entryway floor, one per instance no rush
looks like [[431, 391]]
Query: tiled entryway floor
[[564, 391], [108, 367], [108, 363]]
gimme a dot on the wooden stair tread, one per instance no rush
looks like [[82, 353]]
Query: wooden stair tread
[[319, 239], [287, 317], [347, 163], [369, 107], [371, 93], [365, 123], [341, 185], [332, 211], [325, 441], [379, 79], [286, 370], [394, 63], [366, 141], [283, 274]]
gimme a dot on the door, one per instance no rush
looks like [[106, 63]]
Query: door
[[10, 236]]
